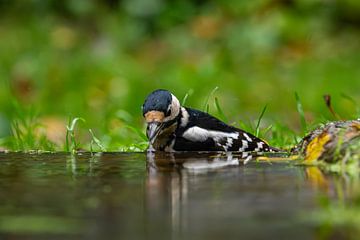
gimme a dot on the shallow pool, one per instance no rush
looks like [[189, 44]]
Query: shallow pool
[[157, 196]]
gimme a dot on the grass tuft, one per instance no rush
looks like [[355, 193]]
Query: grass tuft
[[70, 140], [300, 110], [26, 132]]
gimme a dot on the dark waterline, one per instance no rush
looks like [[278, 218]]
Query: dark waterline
[[135, 195]]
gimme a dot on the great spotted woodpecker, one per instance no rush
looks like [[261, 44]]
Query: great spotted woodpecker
[[172, 127]]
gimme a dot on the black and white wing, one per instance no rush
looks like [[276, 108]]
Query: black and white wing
[[203, 132]]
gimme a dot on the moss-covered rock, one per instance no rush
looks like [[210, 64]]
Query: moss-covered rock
[[332, 142]]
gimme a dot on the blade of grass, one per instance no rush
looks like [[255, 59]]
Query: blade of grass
[[24, 126], [138, 132], [17, 133], [74, 122], [189, 93], [184, 99], [349, 98], [266, 130], [67, 146], [301, 113], [246, 127], [206, 104], [352, 100], [70, 132], [96, 141], [220, 111], [257, 128]]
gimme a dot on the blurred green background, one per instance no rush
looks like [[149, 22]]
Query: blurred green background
[[99, 59]]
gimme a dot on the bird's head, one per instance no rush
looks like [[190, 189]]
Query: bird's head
[[160, 110]]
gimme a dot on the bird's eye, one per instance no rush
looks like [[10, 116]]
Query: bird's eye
[[168, 112]]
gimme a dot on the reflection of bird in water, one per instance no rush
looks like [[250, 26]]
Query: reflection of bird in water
[[172, 182], [196, 162], [172, 127], [335, 141]]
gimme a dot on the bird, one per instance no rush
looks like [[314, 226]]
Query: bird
[[172, 128]]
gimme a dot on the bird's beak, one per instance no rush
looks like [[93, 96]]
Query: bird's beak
[[153, 129], [154, 121]]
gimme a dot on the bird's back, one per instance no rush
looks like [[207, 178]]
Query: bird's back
[[204, 132]]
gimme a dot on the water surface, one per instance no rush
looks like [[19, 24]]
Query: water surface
[[156, 196]]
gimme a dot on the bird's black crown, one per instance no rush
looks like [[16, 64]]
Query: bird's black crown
[[158, 100]]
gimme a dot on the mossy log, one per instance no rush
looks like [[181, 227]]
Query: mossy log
[[332, 142]]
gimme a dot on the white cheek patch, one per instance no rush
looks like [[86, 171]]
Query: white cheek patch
[[197, 134], [175, 109]]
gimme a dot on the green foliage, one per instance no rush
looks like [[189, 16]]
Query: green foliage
[[99, 59]]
